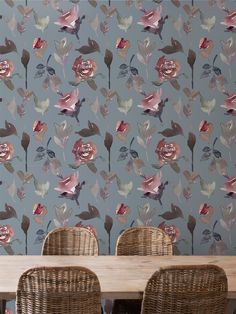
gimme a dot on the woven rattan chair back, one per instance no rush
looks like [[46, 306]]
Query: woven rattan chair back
[[144, 241], [200, 289], [70, 241], [58, 290]]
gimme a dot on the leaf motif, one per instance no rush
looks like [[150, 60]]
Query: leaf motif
[[8, 130], [108, 58], [25, 141], [173, 48], [25, 223], [175, 130], [176, 3], [8, 213], [191, 141], [8, 47], [25, 58], [175, 84], [191, 224], [92, 167], [108, 224], [92, 129], [92, 212], [175, 212], [175, 167], [92, 46], [9, 167], [92, 84], [93, 3], [10, 3], [207, 188], [9, 84], [191, 58], [108, 141]]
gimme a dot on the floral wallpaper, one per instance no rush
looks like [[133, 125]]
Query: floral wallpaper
[[115, 114]]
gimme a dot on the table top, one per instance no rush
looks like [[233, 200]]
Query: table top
[[123, 277]]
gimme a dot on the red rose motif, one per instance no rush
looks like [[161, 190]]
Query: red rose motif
[[39, 209], [230, 19], [6, 68], [204, 43], [172, 231], [167, 69], [84, 152], [151, 18], [6, 233], [6, 151], [167, 152], [39, 43], [230, 185], [230, 102], [151, 184], [84, 69], [205, 129], [122, 209], [68, 18], [121, 43], [205, 212], [68, 184], [151, 101], [122, 126], [68, 101], [38, 126]]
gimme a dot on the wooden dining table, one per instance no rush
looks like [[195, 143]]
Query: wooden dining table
[[121, 277]]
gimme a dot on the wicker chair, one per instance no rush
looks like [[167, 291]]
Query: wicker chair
[[140, 241], [70, 241], [144, 241], [58, 290], [186, 290]]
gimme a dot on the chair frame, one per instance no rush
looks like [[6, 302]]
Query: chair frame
[[133, 241], [58, 290], [73, 236], [186, 289]]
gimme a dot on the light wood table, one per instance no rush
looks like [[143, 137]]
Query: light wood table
[[121, 277]]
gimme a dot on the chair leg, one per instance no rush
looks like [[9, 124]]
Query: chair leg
[[3, 306]]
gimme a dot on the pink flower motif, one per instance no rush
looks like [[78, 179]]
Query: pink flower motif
[[204, 126], [172, 231], [230, 19], [68, 184], [151, 18], [68, 101], [167, 69], [151, 101], [205, 212], [84, 152], [151, 184], [6, 233], [167, 152], [68, 18], [84, 69], [230, 102], [230, 185]]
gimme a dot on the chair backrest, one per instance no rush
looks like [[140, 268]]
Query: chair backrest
[[144, 241], [70, 241], [58, 290], [192, 289]]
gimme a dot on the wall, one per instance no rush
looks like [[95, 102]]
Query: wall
[[118, 115]]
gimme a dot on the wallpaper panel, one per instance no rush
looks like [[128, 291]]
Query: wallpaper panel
[[118, 113]]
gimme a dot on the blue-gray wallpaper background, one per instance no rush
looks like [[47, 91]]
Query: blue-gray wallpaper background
[[196, 202]]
